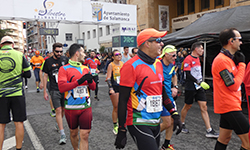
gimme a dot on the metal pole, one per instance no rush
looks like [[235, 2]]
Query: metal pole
[[204, 60]]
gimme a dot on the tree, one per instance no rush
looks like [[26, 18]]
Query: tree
[[102, 49], [4, 32]]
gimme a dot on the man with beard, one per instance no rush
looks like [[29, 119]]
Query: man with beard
[[93, 63], [50, 69]]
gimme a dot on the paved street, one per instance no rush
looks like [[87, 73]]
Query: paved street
[[40, 132]]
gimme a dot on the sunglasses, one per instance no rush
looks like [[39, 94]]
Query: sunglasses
[[117, 54], [174, 55], [158, 40], [239, 38], [58, 51]]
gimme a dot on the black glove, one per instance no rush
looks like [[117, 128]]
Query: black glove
[[238, 57], [177, 122], [121, 139], [85, 77]]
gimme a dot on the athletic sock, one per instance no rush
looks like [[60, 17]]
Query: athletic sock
[[241, 148], [166, 143], [53, 110], [18, 148], [115, 124], [209, 129], [220, 146], [62, 132]]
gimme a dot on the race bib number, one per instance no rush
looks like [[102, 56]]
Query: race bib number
[[93, 71], [80, 91], [118, 79], [154, 104], [37, 64]]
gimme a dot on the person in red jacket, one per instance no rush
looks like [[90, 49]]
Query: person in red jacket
[[74, 79], [228, 70], [247, 90]]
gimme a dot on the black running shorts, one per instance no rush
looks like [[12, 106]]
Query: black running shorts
[[146, 137], [198, 95], [16, 105], [234, 120]]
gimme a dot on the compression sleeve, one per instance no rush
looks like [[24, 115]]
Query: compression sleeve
[[109, 83], [122, 105], [167, 102], [190, 77]]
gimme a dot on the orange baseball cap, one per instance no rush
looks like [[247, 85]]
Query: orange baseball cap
[[148, 33]]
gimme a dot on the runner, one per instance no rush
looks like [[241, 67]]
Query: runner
[[36, 61], [143, 94], [74, 78], [50, 69], [13, 66], [113, 80], [228, 71], [168, 57], [92, 63]]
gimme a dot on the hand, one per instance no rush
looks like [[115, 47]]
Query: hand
[[174, 91], [204, 85], [238, 57], [41, 86], [177, 122], [111, 91], [121, 139], [45, 95], [97, 71], [85, 77]]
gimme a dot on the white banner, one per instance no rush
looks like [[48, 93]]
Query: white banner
[[68, 11]]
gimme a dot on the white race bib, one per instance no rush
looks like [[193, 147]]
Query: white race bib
[[118, 79], [56, 76], [154, 103], [81, 91], [93, 71]]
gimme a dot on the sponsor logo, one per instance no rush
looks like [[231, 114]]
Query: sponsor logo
[[128, 29], [47, 12], [7, 64], [186, 65], [193, 62]]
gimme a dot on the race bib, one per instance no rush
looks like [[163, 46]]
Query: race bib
[[37, 64], [118, 79], [93, 71], [81, 91], [154, 103], [56, 76]]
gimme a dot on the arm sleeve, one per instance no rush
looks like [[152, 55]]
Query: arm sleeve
[[167, 102], [238, 78], [190, 77], [63, 85], [98, 62], [122, 105]]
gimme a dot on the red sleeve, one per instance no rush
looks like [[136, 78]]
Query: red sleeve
[[238, 79], [98, 62], [92, 85], [86, 61], [63, 84], [187, 64], [128, 75]]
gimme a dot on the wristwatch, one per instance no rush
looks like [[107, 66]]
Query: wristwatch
[[176, 86]]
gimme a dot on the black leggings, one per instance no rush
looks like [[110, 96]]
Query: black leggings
[[96, 79], [145, 137]]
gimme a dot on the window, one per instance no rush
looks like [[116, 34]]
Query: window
[[191, 6], [180, 6], [107, 30], [83, 35], [68, 36], [94, 33], [100, 32], [218, 2], [204, 4], [88, 34]]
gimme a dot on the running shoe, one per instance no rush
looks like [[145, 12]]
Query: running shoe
[[170, 147], [184, 129], [212, 134], [62, 139], [26, 87], [37, 90], [115, 130], [53, 113], [96, 98]]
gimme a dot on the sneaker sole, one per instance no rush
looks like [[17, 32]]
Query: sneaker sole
[[62, 143], [185, 132], [114, 132], [212, 136]]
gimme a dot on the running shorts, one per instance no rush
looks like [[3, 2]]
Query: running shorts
[[198, 95], [234, 120], [146, 137], [79, 118], [16, 105], [36, 73], [57, 99], [115, 88]]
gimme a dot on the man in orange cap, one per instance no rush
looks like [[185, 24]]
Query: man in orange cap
[[36, 61], [143, 94]]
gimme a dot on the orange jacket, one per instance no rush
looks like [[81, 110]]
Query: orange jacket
[[227, 99], [37, 61]]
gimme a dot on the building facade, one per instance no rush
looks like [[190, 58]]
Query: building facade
[[16, 33]]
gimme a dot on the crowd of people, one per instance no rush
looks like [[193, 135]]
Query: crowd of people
[[142, 86]]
